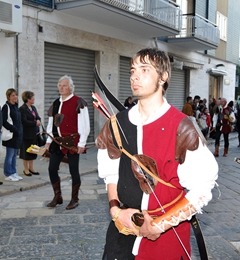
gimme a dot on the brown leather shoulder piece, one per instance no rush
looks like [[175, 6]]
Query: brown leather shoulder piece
[[105, 141], [187, 139]]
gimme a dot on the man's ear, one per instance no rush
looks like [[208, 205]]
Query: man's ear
[[164, 78]]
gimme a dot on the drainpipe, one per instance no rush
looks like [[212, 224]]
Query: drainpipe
[[207, 15], [17, 65]]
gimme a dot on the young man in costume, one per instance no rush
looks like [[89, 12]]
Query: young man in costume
[[155, 129], [222, 122], [68, 115]]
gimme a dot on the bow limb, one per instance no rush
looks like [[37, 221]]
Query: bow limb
[[107, 92]]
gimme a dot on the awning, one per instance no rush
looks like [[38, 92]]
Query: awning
[[188, 63], [217, 72]]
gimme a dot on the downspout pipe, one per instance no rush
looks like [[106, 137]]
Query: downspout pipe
[[17, 65]]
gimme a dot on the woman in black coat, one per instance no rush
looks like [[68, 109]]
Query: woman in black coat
[[30, 122], [15, 142]]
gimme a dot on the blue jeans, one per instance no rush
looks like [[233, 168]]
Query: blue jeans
[[10, 161]]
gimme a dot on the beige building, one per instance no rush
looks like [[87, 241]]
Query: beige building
[[71, 37]]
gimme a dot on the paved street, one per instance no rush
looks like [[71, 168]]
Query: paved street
[[30, 230]]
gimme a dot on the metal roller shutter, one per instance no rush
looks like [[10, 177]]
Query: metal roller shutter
[[78, 63], [125, 87], [176, 91]]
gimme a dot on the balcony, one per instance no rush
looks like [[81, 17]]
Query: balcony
[[39, 3], [197, 34], [148, 18]]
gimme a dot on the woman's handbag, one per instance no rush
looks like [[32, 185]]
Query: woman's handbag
[[41, 137], [6, 134]]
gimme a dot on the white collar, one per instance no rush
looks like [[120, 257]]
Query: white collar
[[61, 100], [134, 115]]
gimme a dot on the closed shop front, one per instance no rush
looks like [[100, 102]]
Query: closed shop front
[[60, 60], [125, 86], [176, 93]]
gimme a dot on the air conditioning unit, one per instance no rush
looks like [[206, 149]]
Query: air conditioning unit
[[11, 16]]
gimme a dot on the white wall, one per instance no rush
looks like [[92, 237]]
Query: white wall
[[108, 43], [7, 65]]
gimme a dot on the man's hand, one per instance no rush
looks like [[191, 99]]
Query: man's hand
[[124, 217], [81, 150], [147, 230], [47, 146]]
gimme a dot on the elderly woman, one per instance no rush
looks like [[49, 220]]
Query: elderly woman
[[12, 145], [30, 122]]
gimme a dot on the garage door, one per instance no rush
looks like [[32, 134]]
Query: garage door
[[176, 91]]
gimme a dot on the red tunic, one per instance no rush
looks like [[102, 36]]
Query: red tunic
[[69, 124], [159, 142], [225, 120]]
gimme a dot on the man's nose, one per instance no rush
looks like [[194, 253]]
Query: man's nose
[[134, 76]]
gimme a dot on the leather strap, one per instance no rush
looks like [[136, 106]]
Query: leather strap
[[113, 203], [119, 142]]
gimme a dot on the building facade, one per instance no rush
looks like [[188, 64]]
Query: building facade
[[71, 37]]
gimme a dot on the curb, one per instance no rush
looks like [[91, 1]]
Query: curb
[[34, 186]]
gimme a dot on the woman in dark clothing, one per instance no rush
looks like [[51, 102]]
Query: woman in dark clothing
[[30, 122], [13, 144]]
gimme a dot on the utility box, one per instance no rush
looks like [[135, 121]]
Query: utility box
[[11, 16]]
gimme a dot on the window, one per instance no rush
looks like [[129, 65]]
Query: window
[[222, 25]]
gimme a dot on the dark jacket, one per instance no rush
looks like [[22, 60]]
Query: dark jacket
[[15, 128], [0, 118], [28, 121]]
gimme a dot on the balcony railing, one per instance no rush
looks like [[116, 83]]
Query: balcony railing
[[159, 11], [199, 27], [45, 3], [155, 10]]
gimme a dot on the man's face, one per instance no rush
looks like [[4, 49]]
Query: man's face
[[223, 102], [63, 88], [144, 79]]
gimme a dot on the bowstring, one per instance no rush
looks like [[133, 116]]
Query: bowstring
[[163, 210]]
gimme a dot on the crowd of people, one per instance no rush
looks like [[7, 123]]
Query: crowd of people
[[68, 123], [215, 119]]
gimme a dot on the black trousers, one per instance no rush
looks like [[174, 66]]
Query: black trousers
[[73, 161], [225, 137]]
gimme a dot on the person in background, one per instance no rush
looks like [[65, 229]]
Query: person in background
[[15, 143], [187, 108], [163, 136], [30, 122], [68, 115], [237, 114], [222, 120], [0, 129], [129, 102], [195, 104], [205, 102]]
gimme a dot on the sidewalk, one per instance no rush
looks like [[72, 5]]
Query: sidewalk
[[88, 164]]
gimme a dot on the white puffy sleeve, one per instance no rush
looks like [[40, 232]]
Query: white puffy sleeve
[[107, 168], [198, 175]]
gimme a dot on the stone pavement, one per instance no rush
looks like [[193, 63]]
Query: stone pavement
[[30, 230]]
